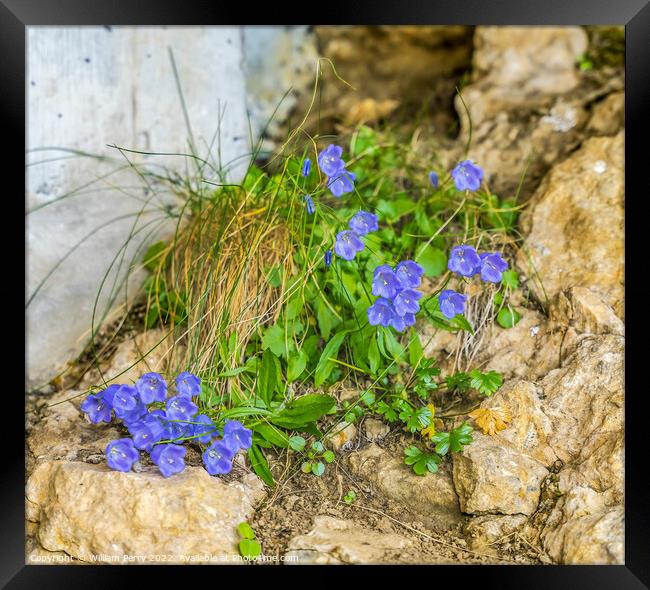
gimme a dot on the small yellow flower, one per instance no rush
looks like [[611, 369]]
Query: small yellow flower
[[431, 429]]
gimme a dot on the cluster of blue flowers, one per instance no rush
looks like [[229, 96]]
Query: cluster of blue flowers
[[348, 242], [398, 299], [467, 262], [339, 180], [161, 433]]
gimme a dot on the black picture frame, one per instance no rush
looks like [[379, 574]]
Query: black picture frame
[[16, 15]]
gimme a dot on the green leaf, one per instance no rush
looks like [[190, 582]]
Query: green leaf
[[296, 366], [154, 256], [373, 355], [304, 410], [350, 497], [250, 548], [327, 321], [306, 467], [367, 397], [421, 461], [510, 278], [508, 317], [388, 412], [297, 443], [454, 440], [317, 446], [433, 260], [328, 456], [460, 321], [245, 530], [416, 352], [318, 468], [260, 465], [485, 383], [458, 381], [273, 435], [392, 345], [273, 339], [269, 376], [325, 366]]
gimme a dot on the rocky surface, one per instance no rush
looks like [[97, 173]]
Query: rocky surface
[[79, 508], [430, 497], [391, 66], [95, 514], [574, 225], [529, 104], [337, 541]]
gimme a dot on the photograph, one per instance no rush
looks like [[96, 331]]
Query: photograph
[[325, 295]]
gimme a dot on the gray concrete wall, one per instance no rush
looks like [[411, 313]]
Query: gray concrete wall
[[93, 86]]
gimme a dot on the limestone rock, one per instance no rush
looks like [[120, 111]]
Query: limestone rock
[[336, 541], [522, 102], [585, 311], [93, 513], [64, 433], [584, 399], [342, 436], [485, 530], [145, 352], [574, 225], [608, 116], [431, 496], [491, 476], [375, 429], [530, 427], [593, 536], [391, 64]]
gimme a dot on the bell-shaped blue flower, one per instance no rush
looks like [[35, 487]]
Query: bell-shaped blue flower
[[217, 458], [464, 260], [96, 408], [236, 436], [406, 301], [121, 454], [381, 313], [204, 430], [342, 183], [347, 244], [363, 222], [409, 274], [152, 388], [188, 385], [451, 303], [492, 267], [180, 407], [467, 176], [169, 458], [329, 160], [384, 282]]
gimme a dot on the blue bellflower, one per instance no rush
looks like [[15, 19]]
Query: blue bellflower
[[403, 322], [406, 301], [236, 436], [464, 260], [451, 303], [188, 385], [327, 258], [381, 312], [329, 160], [342, 183], [121, 454], [409, 274], [180, 407], [306, 167], [363, 222], [169, 458], [97, 408], [467, 176], [347, 244], [217, 458], [384, 282], [433, 179], [152, 388], [309, 205], [204, 430], [492, 267]]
